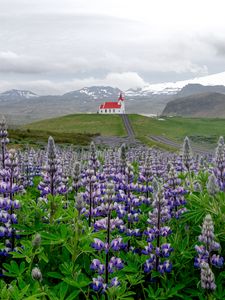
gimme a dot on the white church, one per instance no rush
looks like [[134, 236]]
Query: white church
[[113, 107]]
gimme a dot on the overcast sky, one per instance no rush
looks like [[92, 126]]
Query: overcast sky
[[54, 46]]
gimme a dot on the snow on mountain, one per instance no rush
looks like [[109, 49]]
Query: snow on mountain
[[17, 95], [172, 88], [94, 92]]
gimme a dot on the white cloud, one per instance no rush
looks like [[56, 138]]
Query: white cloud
[[124, 80], [13, 62], [51, 42]]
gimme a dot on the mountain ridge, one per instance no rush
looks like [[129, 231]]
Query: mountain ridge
[[206, 105], [17, 94], [28, 106], [165, 88]]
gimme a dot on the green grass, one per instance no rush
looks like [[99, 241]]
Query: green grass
[[83, 124], [201, 131], [79, 129], [40, 137]]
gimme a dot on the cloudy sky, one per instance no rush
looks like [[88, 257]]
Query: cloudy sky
[[54, 46]]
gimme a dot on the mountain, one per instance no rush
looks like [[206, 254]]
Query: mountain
[[195, 88], [94, 93], [17, 95], [20, 110], [201, 105], [25, 106]]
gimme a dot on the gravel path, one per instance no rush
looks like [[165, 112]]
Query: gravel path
[[115, 141], [128, 126], [169, 142]]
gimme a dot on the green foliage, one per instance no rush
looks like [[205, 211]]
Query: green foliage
[[64, 254]]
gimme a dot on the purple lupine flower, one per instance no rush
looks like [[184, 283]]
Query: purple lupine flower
[[97, 283], [207, 235], [98, 244], [148, 249], [52, 182], [205, 258], [3, 141], [187, 154], [165, 231], [212, 185], [157, 166], [114, 282], [116, 263], [174, 193], [157, 218], [117, 244], [150, 233], [123, 158], [26, 163], [219, 161], [93, 159], [95, 264], [146, 175], [8, 187], [108, 223], [165, 250], [101, 269], [167, 266], [92, 194], [112, 264], [201, 249], [102, 224], [77, 176], [149, 265], [207, 277], [217, 261], [79, 203]]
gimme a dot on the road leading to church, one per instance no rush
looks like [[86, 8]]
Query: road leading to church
[[169, 142], [128, 126], [115, 141]]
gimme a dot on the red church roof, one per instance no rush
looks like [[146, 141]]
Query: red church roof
[[110, 105], [113, 105]]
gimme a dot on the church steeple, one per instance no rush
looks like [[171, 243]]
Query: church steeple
[[121, 97], [122, 102]]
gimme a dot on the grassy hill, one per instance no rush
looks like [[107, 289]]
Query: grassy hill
[[202, 131], [82, 123], [79, 129]]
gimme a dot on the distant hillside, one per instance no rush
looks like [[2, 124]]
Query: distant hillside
[[193, 89], [21, 107], [200, 105]]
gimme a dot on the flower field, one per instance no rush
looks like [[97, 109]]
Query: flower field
[[115, 224]]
